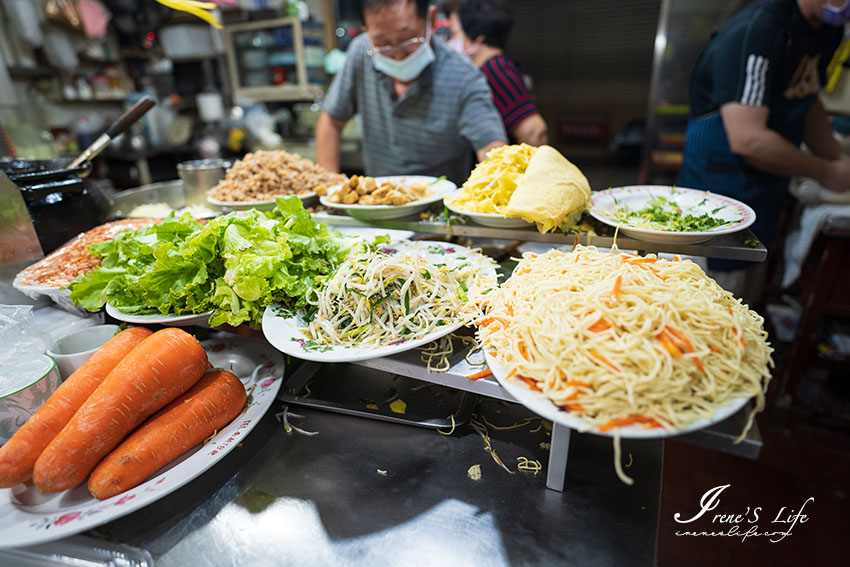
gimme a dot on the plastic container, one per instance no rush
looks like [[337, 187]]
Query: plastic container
[[24, 391]]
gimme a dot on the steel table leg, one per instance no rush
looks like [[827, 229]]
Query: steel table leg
[[558, 451]]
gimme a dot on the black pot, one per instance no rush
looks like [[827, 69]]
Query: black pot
[[60, 202]]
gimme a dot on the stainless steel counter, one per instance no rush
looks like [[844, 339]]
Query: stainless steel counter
[[283, 499]]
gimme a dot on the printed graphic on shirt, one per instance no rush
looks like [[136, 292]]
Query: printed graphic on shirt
[[806, 80], [756, 80]]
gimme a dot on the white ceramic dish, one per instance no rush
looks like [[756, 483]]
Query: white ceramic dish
[[603, 205], [285, 331], [30, 517], [306, 198], [492, 220], [18, 406], [175, 320], [544, 407], [72, 350], [440, 188]]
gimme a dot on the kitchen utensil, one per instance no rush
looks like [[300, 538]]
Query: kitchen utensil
[[124, 121], [200, 175]]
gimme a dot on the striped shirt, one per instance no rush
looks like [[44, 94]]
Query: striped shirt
[[512, 98], [430, 129]]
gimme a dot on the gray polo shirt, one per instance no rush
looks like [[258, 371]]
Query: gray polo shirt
[[432, 129]]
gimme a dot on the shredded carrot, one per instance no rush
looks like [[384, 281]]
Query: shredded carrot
[[531, 383], [510, 310], [604, 361], [489, 320], [615, 292], [578, 384], [511, 373], [599, 326], [639, 261], [574, 408], [682, 338], [669, 346], [482, 374], [648, 422], [522, 350]]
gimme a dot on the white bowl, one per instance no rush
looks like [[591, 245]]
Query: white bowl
[[72, 350], [26, 395]]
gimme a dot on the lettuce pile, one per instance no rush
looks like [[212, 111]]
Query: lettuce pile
[[234, 265]]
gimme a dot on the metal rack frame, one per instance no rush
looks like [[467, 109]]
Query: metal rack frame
[[741, 245]]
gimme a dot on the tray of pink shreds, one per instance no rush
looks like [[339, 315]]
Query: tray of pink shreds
[[51, 274]]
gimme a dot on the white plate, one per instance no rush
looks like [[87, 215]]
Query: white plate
[[30, 517], [175, 320], [492, 220], [543, 406], [259, 205], [285, 331], [439, 190], [604, 203]]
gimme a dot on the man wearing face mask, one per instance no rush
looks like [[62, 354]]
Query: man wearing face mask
[[422, 105], [480, 30], [754, 100]]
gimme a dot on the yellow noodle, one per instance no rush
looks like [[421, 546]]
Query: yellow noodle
[[601, 354]]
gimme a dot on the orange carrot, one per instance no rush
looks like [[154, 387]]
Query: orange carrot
[[478, 375], [615, 292], [630, 420], [522, 350], [531, 383], [604, 361], [159, 369], [489, 320], [206, 407], [690, 348], [574, 408], [669, 346], [20, 452], [639, 261], [599, 326], [578, 384]]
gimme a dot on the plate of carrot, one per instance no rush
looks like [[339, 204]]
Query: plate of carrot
[[114, 437]]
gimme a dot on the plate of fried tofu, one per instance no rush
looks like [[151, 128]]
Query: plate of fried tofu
[[384, 198]]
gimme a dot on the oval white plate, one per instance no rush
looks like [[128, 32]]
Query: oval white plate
[[176, 320], [439, 190], [492, 220], [284, 330], [543, 406], [259, 205], [604, 203], [30, 517]]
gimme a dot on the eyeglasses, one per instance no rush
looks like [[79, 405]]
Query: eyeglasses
[[406, 47]]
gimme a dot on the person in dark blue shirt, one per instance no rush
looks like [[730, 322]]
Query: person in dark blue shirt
[[754, 100]]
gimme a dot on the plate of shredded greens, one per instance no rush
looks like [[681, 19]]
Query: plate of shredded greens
[[383, 300], [661, 213]]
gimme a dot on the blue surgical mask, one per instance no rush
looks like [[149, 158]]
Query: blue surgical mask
[[836, 15], [408, 68]]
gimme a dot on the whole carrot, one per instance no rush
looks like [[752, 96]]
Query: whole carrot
[[19, 453], [159, 369], [206, 407]]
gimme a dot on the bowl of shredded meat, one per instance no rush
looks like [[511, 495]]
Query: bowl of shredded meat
[[259, 177]]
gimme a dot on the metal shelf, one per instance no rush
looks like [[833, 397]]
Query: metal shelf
[[735, 246]]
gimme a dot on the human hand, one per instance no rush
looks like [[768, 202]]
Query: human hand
[[836, 175]]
